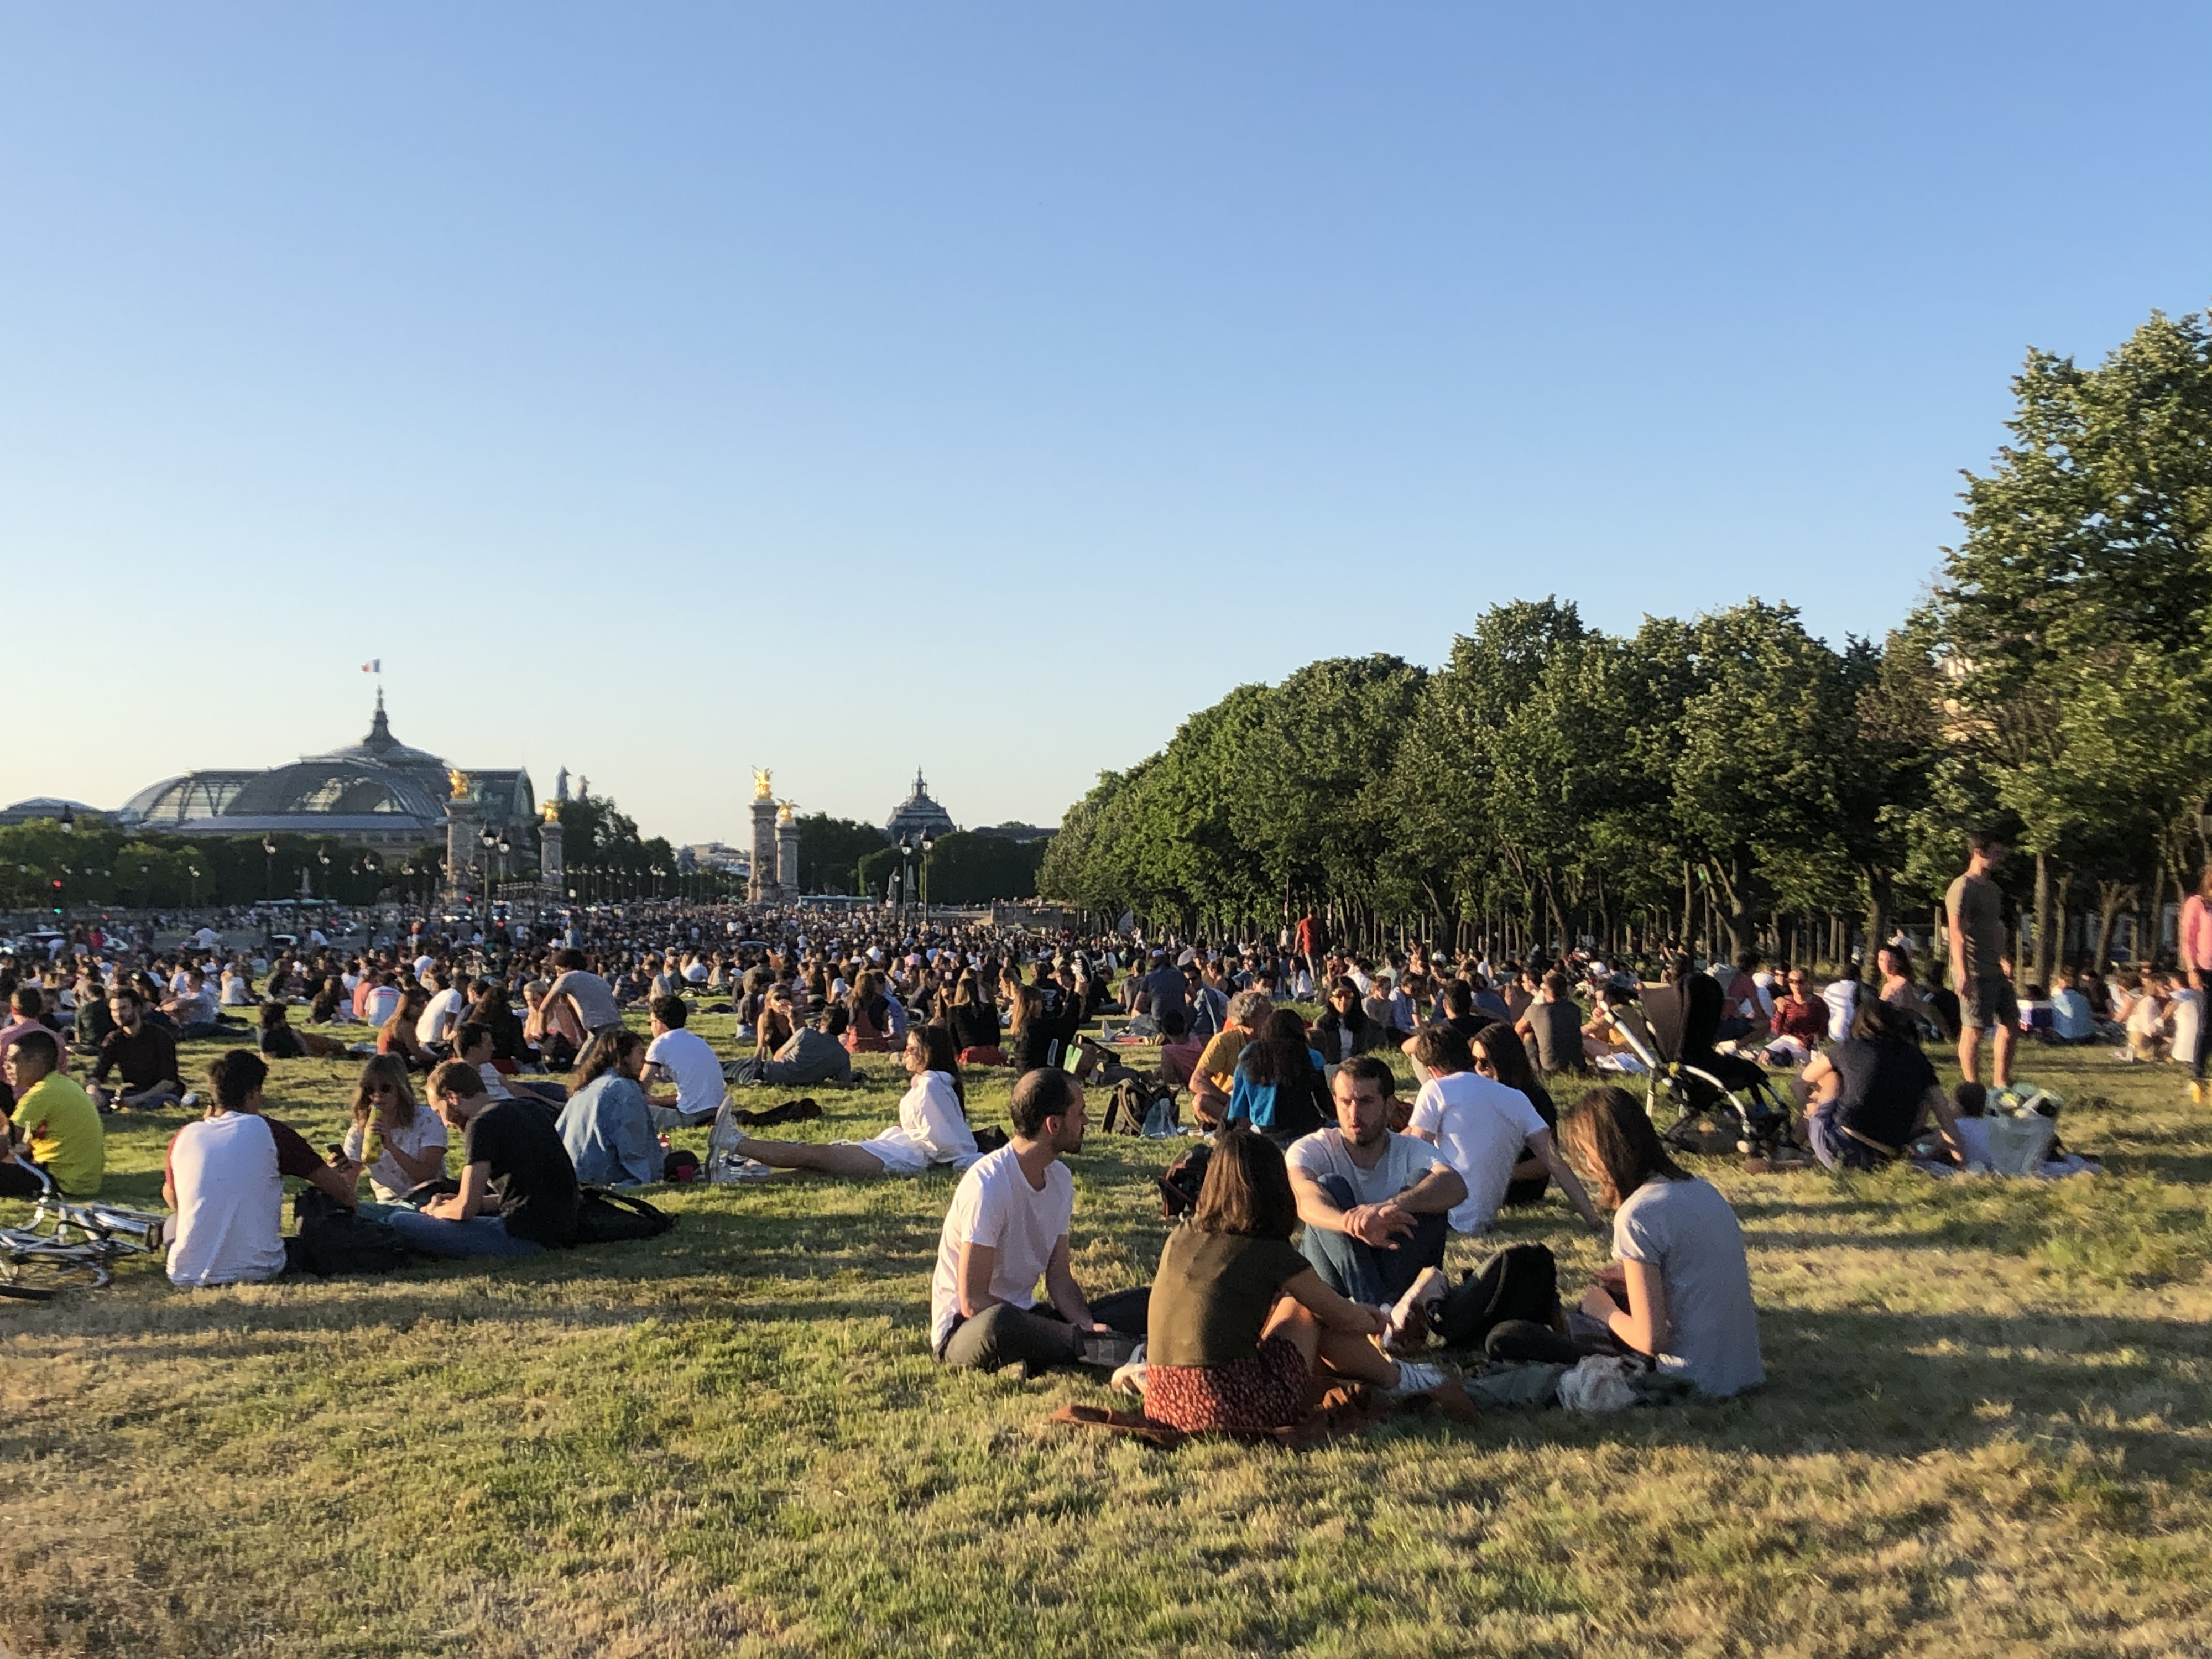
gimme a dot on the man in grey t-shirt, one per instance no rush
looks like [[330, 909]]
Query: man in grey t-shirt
[[1975, 908], [591, 997], [1373, 1203]]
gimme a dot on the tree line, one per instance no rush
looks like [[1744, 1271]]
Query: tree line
[[1732, 781]]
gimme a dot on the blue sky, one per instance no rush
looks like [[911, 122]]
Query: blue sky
[[667, 390]]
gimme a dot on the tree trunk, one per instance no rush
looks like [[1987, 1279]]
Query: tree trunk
[[1877, 911], [2033, 965], [1689, 903]]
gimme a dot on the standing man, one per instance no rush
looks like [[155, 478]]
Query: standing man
[[1008, 1228], [1975, 907], [2195, 942]]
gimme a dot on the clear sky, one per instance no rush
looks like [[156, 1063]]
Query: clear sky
[[665, 390]]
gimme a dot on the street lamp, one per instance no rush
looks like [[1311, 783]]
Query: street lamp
[[268, 868], [193, 871], [68, 822], [906, 874], [927, 842]]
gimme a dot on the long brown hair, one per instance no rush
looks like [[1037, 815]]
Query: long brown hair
[[939, 1056], [1247, 1189], [1609, 1133], [602, 1054], [388, 1068]]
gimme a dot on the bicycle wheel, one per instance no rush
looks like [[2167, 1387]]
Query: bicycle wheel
[[36, 1273]]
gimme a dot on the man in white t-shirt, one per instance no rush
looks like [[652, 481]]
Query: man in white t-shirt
[[1485, 1130], [1008, 1228], [1373, 1203], [224, 1177], [680, 1057], [442, 1012]]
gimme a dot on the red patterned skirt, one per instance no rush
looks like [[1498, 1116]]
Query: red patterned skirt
[[1267, 1391]]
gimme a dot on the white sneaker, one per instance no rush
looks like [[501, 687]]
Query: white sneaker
[[1130, 1377], [190, 1099], [1416, 1378]]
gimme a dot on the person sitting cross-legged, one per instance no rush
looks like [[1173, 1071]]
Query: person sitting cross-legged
[[1485, 1130], [815, 1054], [606, 1125], [143, 1053], [1373, 1203], [1244, 1334], [55, 1125], [518, 1187], [1008, 1228], [224, 1177], [408, 1139], [932, 1126], [682, 1057]]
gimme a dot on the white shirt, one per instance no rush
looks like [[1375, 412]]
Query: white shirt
[[386, 1177], [438, 1019], [1841, 996], [995, 1205], [1406, 1160], [685, 1056], [930, 1129], [1480, 1126], [229, 1225], [423, 965], [380, 1002]]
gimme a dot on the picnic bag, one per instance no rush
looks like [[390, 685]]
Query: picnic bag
[[334, 1239], [1522, 1281], [608, 1217]]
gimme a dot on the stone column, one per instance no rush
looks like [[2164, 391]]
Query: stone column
[[552, 870], [460, 842], [786, 858], [764, 888]]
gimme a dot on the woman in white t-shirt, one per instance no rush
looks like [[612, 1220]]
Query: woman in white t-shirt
[[1484, 1129], [411, 1138], [1678, 1287], [932, 1126]]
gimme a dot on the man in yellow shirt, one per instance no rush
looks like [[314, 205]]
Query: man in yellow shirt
[[56, 1124], [1215, 1077]]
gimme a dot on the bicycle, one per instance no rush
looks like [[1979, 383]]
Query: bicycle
[[35, 1266]]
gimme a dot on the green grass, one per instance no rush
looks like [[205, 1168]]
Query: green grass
[[1985, 1433]]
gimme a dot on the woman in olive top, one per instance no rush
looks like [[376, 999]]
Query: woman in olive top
[[1242, 1328]]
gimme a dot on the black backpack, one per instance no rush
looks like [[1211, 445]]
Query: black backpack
[[334, 1239], [608, 1217], [1180, 1181], [1131, 1103], [1522, 1281]]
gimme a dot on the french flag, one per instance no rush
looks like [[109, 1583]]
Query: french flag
[[374, 665]]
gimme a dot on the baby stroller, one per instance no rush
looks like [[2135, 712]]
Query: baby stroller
[[1700, 1099]]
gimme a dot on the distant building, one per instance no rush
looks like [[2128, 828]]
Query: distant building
[[1024, 833], [918, 815], [376, 792], [48, 806]]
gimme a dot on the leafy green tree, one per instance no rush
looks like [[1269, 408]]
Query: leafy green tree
[[830, 850]]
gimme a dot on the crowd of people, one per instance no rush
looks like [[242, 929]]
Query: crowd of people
[[1313, 1250]]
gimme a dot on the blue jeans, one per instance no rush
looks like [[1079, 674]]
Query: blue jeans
[[1372, 1274], [484, 1235]]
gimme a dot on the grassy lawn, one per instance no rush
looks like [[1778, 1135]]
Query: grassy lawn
[[1985, 1433]]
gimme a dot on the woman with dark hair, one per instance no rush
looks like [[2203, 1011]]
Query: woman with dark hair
[[607, 1123], [972, 1017], [869, 1008], [1679, 1289], [1872, 1091], [932, 1126], [1345, 1029], [489, 1007], [1279, 1088], [277, 1040], [1498, 1053], [1243, 1332], [397, 1034]]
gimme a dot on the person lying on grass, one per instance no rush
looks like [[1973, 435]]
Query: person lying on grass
[[1679, 1289], [1243, 1334], [1008, 1228], [932, 1126]]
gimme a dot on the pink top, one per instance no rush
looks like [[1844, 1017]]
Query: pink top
[[2197, 934]]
